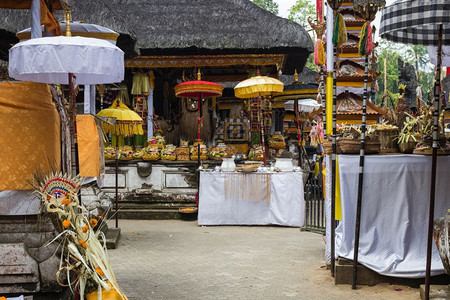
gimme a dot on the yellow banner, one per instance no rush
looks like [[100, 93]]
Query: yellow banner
[[88, 146], [329, 105]]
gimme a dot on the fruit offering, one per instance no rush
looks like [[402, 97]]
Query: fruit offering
[[218, 152], [256, 153], [110, 153], [168, 153], [277, 141], [194, 151], [138, 154], [158, 139], [126, 153], [152, 152]]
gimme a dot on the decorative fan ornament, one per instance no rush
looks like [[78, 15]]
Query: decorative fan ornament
[[58, 189]]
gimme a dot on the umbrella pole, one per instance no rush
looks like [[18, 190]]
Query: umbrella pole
[[117, 181], [322, 94], [74, 144], [199, 106], [262, 131], [361, 175], [333, 169], [299, 138], [437, 94]]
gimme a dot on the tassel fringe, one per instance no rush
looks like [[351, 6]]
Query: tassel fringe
[[339, 31], [365, 45], [319, 53]]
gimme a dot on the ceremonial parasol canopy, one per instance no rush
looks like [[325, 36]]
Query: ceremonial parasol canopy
[[198, 89], [51, 59], [422, 22], [258, 86], [26, 4], [127, 122], [304, 105], [416, 22], [79, 29]]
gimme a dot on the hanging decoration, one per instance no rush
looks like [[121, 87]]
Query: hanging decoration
[[365, 45], [127, 121], [339, 30], [259, 87], [83, 245], [319, 53], [198, 89]]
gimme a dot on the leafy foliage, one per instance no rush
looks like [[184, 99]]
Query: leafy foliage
[[412, 54], [269, 5], [300, 12]]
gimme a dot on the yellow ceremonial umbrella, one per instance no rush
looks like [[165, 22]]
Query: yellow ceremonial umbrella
[[123, 122], [256, 87], [127, 122]]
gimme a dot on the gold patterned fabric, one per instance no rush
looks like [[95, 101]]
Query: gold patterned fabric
[[88, 146], [29, 135]]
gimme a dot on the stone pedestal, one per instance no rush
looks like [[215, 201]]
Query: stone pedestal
[[27, 265]]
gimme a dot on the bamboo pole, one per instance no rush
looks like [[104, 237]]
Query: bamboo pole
[[199, 121], [322, 94], [333, 168], [117, 182], [331, 120], [437, 94], [361, 175]]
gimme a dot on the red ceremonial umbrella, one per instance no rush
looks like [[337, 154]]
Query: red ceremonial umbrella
[[198, 89]]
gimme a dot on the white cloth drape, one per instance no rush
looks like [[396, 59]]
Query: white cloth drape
[[394, 212], [432, 51], [285, 207], [51, 59]]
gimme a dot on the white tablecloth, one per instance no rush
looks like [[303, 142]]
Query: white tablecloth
[[243, 199], [394, 214]]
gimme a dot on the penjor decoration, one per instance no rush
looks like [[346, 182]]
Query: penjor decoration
[[84, 259]]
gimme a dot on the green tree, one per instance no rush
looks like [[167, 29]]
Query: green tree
[[310, 62], [300, 12], [268, 5], [417, 55], [390, 52]]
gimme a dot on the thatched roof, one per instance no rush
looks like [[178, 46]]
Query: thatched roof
[[168, 27]]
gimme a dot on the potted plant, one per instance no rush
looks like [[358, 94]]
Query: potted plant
[[408, 137]]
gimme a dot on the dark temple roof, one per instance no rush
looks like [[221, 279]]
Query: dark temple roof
[[171, 27]]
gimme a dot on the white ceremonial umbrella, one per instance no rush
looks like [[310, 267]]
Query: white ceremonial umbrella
[[304, 105], [67, 60], [79, 29], [422, 22], [51, 59]]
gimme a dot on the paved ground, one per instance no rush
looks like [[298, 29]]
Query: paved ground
[[179, 260]]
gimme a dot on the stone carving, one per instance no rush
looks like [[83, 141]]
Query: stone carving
[[407, 77]]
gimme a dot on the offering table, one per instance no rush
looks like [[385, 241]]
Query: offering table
[[238, 198]]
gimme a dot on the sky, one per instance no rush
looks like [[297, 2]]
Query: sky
[[284, 5]]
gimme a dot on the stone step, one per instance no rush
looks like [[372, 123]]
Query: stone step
[[157, 204], [149, 214], [159, 198]]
